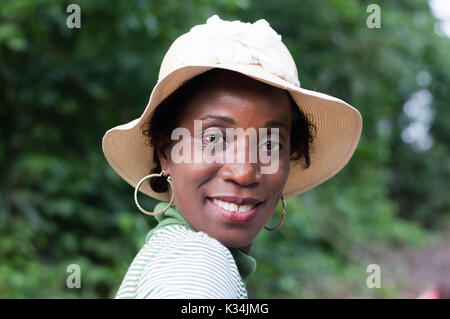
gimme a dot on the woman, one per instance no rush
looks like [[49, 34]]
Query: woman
[[227, 134]]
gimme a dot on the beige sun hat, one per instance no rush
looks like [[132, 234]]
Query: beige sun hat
[[256, 50]]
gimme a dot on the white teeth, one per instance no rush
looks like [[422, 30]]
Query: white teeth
[[232, 207], [245, 208]]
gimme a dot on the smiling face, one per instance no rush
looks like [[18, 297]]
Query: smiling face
[[231, 201]]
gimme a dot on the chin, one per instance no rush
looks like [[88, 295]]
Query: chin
[[233, 240]]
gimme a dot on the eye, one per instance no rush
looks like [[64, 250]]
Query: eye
[[212, 136], [270, 146]]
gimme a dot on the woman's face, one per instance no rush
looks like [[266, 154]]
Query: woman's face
[[231, 200]]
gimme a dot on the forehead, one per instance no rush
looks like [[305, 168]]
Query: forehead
[[240, 97]]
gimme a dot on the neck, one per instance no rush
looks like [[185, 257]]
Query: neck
[[246, 249]]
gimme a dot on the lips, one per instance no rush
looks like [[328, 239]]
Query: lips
[[234, 209]]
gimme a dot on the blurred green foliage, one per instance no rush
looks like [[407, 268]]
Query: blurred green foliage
[[61, 89]]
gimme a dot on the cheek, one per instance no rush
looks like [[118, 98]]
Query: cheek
[[276, 182], [185, 167], [188, 178], [283, 168], [192, 173]]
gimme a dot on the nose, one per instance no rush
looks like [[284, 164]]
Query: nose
[[240, 166], [244, 174]]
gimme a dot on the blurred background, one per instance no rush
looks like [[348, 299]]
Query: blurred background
[[61, 89]]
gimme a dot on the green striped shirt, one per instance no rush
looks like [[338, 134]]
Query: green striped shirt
[[178, 262]]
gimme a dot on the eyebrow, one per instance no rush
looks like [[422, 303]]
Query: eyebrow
[[218, 117], [276, 123], [231, 121]]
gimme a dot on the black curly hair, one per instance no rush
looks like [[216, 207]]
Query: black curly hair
[[165, 119]]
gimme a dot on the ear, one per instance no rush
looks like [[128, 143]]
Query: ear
[[164, 160]]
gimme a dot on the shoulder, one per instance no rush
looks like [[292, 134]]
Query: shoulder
[[175, 241], [188, 264]]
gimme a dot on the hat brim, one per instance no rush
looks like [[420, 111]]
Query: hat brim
[[338, 130]]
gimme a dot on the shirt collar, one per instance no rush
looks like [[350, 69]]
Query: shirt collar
[[246, 264]]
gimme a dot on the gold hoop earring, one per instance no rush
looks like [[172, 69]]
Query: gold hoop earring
[[169, 179], [283, 204]]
